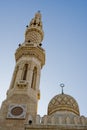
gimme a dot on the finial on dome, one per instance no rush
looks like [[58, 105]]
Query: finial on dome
[[62, 85]]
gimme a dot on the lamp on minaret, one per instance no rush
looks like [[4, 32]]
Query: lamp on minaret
[[34, 32]]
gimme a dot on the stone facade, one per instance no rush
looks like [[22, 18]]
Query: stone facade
[[23, 94], [19, 110], [55, 127]]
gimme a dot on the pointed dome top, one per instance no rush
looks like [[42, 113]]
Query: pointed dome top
[[34, 32], [36, 21], [38, 15]]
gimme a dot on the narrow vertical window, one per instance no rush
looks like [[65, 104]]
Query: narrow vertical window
[[34, 77], [14, 76], [25, 71]]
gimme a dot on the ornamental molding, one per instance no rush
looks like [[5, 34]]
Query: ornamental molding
[[32, 52], [16, 111], [22, 84]]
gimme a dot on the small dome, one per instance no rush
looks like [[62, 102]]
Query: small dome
[[63, 102]]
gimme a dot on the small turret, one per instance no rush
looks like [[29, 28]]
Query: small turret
[[34, 32]]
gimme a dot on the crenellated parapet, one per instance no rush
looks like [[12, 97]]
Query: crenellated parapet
[[64, 119]]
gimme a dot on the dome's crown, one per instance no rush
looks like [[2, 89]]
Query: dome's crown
[[63, 102]]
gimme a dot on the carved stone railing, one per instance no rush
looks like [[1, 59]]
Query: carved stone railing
[[22, 84]]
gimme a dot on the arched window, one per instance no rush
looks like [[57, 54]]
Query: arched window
[[25, 72], [34, 78]]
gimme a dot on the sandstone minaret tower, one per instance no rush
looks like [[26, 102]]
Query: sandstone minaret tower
[[23, 94]]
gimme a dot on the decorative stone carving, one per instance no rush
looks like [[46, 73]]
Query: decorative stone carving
[[53, 120], [45, 120], [16, 111], [68, 120], [76, 120], [22, 84], [83, 120], [38, 119], [34, 32], [60, 120]]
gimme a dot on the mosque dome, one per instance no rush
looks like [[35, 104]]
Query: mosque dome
[[63, 102]]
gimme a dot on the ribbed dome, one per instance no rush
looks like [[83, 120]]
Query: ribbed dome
[[63, 102]]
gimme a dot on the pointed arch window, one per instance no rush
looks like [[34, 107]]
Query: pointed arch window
[[34, 78], [25, 72]]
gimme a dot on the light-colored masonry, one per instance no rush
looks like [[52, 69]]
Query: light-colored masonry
[[19, 110]]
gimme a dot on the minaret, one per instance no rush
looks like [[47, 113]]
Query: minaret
[[23, 93]]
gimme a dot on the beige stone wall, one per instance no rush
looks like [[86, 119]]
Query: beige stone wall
[[55, 127], [23, 93]]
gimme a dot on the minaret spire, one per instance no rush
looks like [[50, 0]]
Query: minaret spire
[[34, 32]]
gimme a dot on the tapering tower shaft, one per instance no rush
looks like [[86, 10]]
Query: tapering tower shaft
[[24, 93]]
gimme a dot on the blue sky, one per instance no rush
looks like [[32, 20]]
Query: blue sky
[[65, 42]]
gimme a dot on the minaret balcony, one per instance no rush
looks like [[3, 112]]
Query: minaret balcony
[[31, 51]]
